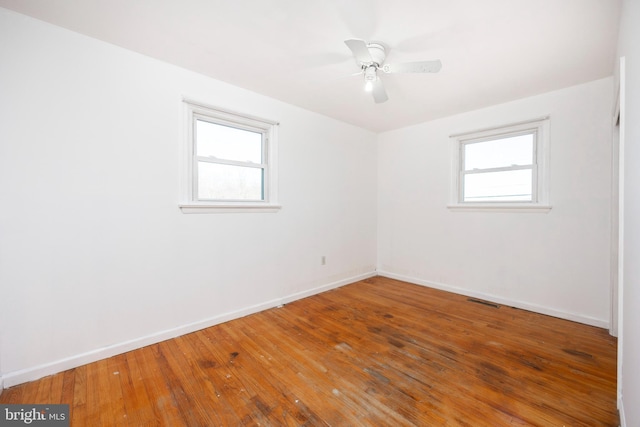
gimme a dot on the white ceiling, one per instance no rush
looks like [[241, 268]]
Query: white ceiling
[[492, 51]]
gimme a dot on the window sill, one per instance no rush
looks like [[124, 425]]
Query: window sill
[[207, 208], [500, 207]]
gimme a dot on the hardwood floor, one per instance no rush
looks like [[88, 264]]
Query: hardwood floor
[[374, 353]]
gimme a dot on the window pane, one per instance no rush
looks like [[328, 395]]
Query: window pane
[[497, 153], [507, 186], [227, 182], [225, 142]]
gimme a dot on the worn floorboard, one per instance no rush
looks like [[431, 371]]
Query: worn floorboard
[[379, 352]]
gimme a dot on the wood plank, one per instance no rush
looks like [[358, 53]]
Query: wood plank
[[100, 404], [376, 352], [138, 405], [68, 384], [114, 370], [79, 402], [162, 398]]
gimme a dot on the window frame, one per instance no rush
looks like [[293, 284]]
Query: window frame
[[540, 166], [189, 200]]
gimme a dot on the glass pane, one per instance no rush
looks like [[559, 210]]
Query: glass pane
[[227, 182], [498, 153], [225, 142], [507, 186]]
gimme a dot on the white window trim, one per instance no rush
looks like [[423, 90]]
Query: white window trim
[[188, 202], [541, 171]]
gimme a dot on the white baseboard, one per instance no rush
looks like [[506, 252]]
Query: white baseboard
[[10, 379], [623, 421], [503, 301]]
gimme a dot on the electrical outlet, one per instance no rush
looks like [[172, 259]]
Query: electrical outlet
[[323, 260]]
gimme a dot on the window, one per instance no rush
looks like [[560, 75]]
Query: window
[[502, 168], [228, 161]]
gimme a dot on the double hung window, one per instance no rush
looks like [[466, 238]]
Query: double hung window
[[501, 167], [229, 161]]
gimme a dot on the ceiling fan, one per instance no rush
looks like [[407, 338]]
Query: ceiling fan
[[370, 57]]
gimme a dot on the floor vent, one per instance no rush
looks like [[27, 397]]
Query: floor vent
[[487, 303]]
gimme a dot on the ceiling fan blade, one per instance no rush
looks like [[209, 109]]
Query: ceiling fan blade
[[379, 94], [359, 50], [413, 67]]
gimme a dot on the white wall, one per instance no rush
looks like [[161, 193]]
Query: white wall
[[95, 256], [630, 322], [555, 263]]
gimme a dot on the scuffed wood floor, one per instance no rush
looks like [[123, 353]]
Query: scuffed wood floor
[[374, 353]]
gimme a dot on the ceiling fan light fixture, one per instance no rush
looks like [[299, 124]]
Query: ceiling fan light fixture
[[370, 73], [368, 86], [370, 76]]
